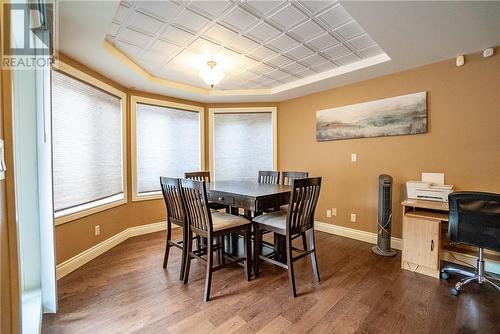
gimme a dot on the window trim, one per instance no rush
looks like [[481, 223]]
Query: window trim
[[211, 115], [101, 204], [134, 100]]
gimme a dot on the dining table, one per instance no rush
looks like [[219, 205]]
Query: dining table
[[253, 198]]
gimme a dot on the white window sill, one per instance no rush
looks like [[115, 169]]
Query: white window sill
[[88, 209], [147, 196]]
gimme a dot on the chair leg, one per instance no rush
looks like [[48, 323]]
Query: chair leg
[[291, 274], [208, 278], [256, 249], [167, 245], [314, 260], [189, 247], [248, 254], [220, 251], [304, 241], [184, 252]]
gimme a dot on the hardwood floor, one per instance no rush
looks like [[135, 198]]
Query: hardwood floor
[[126, 290]]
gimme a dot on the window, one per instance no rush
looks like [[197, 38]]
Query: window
[[243, 141], [168, 142], [88, 144]]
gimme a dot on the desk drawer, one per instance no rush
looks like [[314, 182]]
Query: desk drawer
[[219, 198]]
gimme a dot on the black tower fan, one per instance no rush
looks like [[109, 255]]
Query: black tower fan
[[384, 217]]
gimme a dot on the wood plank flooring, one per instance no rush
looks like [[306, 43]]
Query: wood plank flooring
[[126, 291]]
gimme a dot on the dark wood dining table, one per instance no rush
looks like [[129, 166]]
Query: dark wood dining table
[[251, 196]]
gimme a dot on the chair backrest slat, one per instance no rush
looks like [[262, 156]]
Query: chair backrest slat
[[289, 176], [170, 188], [268, 176], [194, 194], [198, 176], [303, 200]]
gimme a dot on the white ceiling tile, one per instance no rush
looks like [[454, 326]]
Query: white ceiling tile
[[263, 32], [362, 42], [191, 21], [231, 61], [288, 79], [308, 30], [221, 34], [264, 6], [371, 51], [277, 74], [294, 67], [187, 61], [251, 85], [134, 37], [288, 16], [313, 60], [335, 16], [349, 30], [243, 44], [210, 8], [152, 59], [145, 23], [306, 73], [279, 61], [262, 69], [325, 67], [315, 6], [164, 48], [113, 29], [239, 19], [121, 13], [263, 53], [348, 59], [283, 43], [166, 10], [262, 79], [337, 51], [323, 42], [299, 52], [177, 35], [130, 50], [204, 47], [247, 62]]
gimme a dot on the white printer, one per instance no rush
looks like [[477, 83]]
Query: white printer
[[431, 188]]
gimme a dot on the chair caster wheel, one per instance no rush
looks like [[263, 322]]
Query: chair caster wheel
[[455, 291], [444, 275]]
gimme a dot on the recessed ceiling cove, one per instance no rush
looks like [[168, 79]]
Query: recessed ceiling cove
[[258, 44]]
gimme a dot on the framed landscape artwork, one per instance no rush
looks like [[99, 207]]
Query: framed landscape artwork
[[394, 116]]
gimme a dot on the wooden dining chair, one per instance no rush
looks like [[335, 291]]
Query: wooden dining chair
[[205, 176], [268, 176], [291, 224], [212, 225], [175, 215], [289, 176]]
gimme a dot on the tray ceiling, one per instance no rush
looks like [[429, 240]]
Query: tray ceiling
[[260, 44]]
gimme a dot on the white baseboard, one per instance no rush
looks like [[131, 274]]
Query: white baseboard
[[79, 260], [397, 243], [347, 232]]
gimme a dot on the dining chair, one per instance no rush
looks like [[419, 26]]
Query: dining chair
[[205, 176], [291, 224], [289, 176], [268, 176], [175, 215], [212, 225]]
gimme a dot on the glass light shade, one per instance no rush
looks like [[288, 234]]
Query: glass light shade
[[211, 74]]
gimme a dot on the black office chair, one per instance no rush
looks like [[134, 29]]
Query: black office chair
[[474, 220]]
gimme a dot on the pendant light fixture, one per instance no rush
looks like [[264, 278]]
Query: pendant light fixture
[[212, 74]]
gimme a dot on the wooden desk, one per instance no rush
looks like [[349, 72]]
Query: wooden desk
[[425, 244]]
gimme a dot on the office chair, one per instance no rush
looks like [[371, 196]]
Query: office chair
[[474, 220]]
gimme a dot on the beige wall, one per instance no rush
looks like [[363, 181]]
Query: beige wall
[[463, 139]]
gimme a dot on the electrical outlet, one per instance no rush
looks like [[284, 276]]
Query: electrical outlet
[[334, 211], [353, 217], [354, 157], [329, 213], [97, 229]]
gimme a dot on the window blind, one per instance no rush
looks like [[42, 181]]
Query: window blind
[[87, 143], [243, 145], [168, 144]]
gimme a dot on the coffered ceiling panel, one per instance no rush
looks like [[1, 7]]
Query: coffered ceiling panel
[[258, 44]]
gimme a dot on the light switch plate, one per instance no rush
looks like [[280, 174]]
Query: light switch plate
[[353, 217], [354, 157]]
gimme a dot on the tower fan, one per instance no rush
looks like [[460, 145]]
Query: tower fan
[[384, 217]]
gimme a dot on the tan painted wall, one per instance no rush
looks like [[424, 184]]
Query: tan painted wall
[[463, 139]]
